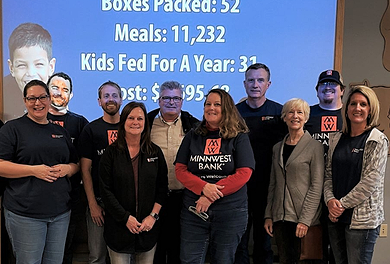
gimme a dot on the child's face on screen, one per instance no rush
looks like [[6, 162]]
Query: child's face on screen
[[30, 63]]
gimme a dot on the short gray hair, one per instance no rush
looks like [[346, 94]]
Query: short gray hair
[[171, 85]]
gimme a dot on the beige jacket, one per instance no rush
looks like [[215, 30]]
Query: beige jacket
[[295, 189]]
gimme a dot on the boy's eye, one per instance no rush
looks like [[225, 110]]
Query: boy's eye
[[20, 66]]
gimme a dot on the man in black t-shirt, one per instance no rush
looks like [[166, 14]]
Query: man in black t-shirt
[[61, 91], [325, 118], [266, 128], [94, 139]]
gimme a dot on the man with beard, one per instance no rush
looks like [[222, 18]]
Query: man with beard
[[94, 139], [61, 91], [325, 118], [262, 117]]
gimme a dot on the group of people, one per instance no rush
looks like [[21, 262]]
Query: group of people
[[165, 187]]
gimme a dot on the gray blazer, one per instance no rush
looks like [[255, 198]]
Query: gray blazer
[[295, 188]]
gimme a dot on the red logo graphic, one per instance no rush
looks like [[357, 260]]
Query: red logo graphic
[[329, 124], [61, 123], [212, 146], [329, 72], [112, 135]]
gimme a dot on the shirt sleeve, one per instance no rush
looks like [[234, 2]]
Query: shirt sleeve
[[235, 181], [84, 147], [189, 180]]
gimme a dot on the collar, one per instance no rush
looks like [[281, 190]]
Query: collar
[[166, 122]]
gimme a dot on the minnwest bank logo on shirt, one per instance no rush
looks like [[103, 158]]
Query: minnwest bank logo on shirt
[[213, 146], [112, 136], [329, 124], [212, 158]]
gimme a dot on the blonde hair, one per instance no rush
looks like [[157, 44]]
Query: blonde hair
[[373, 102], [296, 103]]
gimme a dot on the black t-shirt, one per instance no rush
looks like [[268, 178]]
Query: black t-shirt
[[266, 128], [24, 141], [347, 163], [287, 150], [323, 122], [74, 124], [94, 139], [212, 158]]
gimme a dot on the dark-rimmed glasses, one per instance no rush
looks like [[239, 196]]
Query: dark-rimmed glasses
[[167, 99], [33, 99]]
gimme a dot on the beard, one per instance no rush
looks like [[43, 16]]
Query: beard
[[110, 110], [328, 101]]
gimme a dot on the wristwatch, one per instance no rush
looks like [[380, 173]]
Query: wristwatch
[[155, 216]]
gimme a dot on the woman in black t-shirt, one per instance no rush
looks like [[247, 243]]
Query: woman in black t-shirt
[[214, 162], [37, 157], [354, 179]]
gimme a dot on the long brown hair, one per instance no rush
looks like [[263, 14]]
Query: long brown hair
[[231, 124]]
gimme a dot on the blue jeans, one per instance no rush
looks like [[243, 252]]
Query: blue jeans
[[352, 245], [96, 244], [137, 258], [262, 248], [222, 232], [37, 240]]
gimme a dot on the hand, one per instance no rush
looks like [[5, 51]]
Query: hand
[[301, 230], [133, 225], [203, 204], [61, 169], [333, 219], [97, 214], [212, 191], [268, 225], [147, 223], [335, 208], [45, 173]]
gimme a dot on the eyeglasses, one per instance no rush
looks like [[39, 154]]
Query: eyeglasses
[[202, 215], [328, 84], [33, 99], [167, 99]]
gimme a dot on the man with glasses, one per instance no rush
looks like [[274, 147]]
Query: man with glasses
[[325, 118], [169, 124]]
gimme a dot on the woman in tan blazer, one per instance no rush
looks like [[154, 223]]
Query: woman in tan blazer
[[296, 181]]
